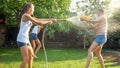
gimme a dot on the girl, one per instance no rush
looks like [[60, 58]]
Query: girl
[[34, 39], [23, 35]]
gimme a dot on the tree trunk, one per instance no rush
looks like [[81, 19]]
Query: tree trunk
[[3, 33]]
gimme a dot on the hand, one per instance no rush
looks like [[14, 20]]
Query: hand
[[84, 18], [50, 22], [41, 26], [54, 20], [81, 19]]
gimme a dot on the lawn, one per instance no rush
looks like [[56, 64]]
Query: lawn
[[57, 58]]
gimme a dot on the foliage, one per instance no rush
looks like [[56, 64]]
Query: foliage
[[114, 39], [116, 16], [54, 9], [78, 37], [114, 36], [43, 9], [11, 8], [89, 7]]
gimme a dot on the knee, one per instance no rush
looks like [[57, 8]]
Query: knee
[[90, 51], [31, 57], [34, 46], [39, 45], [97, 54], [25, 59]]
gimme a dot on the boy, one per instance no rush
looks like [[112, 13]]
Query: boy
[[100, 27]]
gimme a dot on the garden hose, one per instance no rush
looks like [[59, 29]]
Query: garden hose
[[43, 37]]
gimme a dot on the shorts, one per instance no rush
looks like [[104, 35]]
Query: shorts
[[33, 36], [101, 39], [20, 44]]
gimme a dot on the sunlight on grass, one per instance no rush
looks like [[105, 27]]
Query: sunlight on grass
[[57, 58]]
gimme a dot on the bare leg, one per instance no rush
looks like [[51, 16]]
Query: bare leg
[[99, 56], [30, 52], [24, 53], [39, 46], [33, 44], [90, 53]]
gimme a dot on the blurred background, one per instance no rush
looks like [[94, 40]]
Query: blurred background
[[64, 34]]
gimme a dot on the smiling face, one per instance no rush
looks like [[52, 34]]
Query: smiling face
[[31, 9]]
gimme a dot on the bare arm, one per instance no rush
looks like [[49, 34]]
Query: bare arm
[[41, 19], [94, 25], [95, 21], [54, 20], [92, 21], [40, 22]]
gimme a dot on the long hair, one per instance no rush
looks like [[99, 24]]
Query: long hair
[[24, 9]]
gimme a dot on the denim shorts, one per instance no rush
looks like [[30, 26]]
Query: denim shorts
[[20, 44], [101, 39], [33, 36]]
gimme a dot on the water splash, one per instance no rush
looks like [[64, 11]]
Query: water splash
[[75, 20]]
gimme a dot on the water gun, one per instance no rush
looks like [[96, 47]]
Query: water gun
[[87, 18]]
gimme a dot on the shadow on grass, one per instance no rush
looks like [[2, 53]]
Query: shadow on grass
[[63, 54], [13, 55], [108, 64], [112, 56], [9, 55]]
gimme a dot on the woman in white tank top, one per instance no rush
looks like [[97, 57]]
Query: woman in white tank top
[[23, 35], [34, 39]]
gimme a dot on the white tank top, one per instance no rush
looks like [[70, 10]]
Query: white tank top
[[35, 29], [23, 35]]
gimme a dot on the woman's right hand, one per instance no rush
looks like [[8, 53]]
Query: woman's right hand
[[50, 22], [54, 20]]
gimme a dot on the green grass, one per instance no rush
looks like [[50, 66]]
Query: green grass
[[57, 58]]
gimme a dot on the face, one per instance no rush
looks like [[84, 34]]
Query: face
[[31, 10], [41, 26], [98, 13]]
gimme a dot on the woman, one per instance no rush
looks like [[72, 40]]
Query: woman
[[23, 35], [34, 39]]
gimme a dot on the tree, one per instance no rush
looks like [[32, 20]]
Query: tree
[[87, 7], [43, 9]]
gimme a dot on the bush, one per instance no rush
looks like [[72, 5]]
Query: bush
[[114, 34], [116, 16]]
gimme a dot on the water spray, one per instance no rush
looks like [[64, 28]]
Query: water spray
[[43, 36], [74, 20]]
